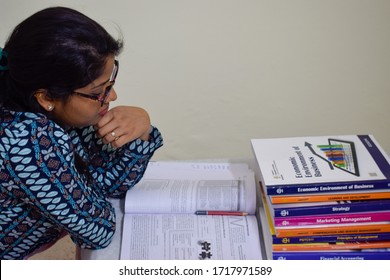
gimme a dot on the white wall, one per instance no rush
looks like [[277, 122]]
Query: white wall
[[215, 73]]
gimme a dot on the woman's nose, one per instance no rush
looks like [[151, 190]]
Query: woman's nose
[[112, 96]]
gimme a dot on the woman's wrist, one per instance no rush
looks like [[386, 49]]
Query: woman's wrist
[[146, 135]]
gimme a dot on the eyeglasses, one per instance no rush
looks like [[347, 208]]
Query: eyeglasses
[[103, 97]]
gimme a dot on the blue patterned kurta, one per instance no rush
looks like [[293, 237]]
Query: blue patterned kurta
[[42, 194]]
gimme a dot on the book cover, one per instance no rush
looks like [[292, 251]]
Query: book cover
[[322, 164]]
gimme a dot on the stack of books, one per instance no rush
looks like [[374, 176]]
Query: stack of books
[[324, 197]]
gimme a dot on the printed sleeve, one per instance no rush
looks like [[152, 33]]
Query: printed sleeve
[[117, 170], [41, 162]]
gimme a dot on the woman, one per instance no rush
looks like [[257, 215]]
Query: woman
[[63, 151]]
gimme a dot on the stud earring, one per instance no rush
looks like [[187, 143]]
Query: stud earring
[[50, 107]]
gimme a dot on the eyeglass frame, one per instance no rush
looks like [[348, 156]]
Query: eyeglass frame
[[103, 97]]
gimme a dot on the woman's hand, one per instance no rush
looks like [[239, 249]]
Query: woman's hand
[[123, 124]]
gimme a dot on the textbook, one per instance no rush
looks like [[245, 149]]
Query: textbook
[[332, 238], [271, 238], [330, 197], [372, 254], [327, 208], [330, 246], [380, 227], [314, 230], [364, 217], [332, 207], [322, 164], [192, 211]]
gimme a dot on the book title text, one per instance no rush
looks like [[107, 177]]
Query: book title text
[[307, 169]]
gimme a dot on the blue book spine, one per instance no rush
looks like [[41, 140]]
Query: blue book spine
[[327, 255], [332, 238], [324, 188], [321, 209]]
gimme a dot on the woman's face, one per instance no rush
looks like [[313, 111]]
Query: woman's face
[[80, 111]]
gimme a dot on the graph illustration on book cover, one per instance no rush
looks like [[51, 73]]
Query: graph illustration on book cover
[[339, 154]]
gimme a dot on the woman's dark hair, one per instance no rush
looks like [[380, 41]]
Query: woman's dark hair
[[58, 49]]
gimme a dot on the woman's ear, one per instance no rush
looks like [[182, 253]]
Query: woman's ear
[[44, 100]]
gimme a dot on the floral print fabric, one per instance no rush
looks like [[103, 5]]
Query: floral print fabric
[[43, 195]]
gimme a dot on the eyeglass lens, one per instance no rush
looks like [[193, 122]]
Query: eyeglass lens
[[112, 82]]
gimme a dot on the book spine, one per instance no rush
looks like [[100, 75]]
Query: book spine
[[358, 255], [332, 219], [316, 188], [329, 246], [331, 197], [332, 209], [332, 238], [330, 230]]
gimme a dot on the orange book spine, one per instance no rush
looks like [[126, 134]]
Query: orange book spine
[[332, 230], [329, 246], [324, 198]]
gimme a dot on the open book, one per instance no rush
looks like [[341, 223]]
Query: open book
[[160, 221]]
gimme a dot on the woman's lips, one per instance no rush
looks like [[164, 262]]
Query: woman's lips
[[103, 112]]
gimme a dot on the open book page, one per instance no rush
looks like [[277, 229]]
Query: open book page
[[172, 166], [186, 189], [188, 236], [160, 220]]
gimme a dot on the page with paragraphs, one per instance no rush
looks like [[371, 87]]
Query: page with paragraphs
[[189, 191], [190, 237]]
